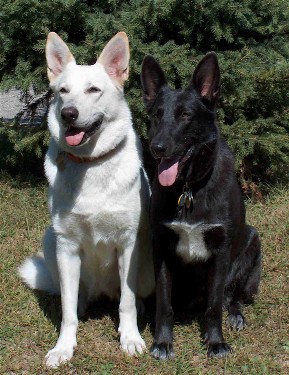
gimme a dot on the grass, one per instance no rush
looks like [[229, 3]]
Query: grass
[[29, 321]]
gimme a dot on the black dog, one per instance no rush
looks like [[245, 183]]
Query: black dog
[[203, 248]]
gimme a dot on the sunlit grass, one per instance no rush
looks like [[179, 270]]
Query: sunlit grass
[[29, 321]]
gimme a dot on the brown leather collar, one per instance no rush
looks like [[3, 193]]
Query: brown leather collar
[[84, 159], [63, 155]]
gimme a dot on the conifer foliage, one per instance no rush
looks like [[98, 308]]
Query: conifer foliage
[[250, 37]]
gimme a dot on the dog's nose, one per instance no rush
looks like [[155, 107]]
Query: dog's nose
[[158, 149], [69, 114]]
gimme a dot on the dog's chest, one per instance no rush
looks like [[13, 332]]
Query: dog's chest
[[95, 215], [97, 222], [192, 246]]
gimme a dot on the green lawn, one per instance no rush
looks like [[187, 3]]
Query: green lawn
[[29, 321]]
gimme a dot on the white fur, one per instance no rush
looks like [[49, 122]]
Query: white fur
[[99, 240], [191, 246]]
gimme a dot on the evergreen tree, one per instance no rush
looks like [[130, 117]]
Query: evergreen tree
[[250, 38]]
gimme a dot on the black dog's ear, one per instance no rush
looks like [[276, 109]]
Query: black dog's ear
[[206, 77], [152, 79]]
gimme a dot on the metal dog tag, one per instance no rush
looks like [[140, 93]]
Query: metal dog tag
[[185, 199], [181, 200], [188, 199]]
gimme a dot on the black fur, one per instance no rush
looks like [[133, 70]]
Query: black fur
[[183, 128]]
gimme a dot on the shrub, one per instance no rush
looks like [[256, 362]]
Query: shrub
[[250, 38]]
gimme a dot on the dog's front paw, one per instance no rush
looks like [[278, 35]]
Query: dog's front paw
[[57, 356], [132, 344], [236, 321], [219, 350], [162, 351]]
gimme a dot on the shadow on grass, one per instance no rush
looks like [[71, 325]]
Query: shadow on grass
[[184, 314], [51, 307], [102, 307]]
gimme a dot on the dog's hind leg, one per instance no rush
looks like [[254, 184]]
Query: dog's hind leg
[[243, 280], [250, 287], [49, 252], [236, 319], [68, 260], [40, 271], [130, 339]]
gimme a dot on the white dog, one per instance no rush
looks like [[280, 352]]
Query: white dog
[[99, 241]]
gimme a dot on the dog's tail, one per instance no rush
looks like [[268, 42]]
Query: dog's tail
[[36, 275]]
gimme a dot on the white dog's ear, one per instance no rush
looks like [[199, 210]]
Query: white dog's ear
[[115, 58], [57, 55]]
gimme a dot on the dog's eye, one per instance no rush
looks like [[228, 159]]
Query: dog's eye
[[93, 89], [185, 115], [157, 115], [63, 90]]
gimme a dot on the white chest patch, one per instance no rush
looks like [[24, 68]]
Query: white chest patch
[[191, 246]]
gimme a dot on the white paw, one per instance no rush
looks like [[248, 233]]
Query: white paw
[[132, 343], [57, 356]]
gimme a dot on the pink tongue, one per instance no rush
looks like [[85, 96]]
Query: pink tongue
[[74, 136], [168, 170]]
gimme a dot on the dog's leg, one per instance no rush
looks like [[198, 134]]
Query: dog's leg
[[253, 275], [162, 347], [236, 319], [130, 338], [68, 260], [244, 279], [217, 347]]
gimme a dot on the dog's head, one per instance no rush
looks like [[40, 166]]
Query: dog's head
[[183, 134], [86, 97]]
